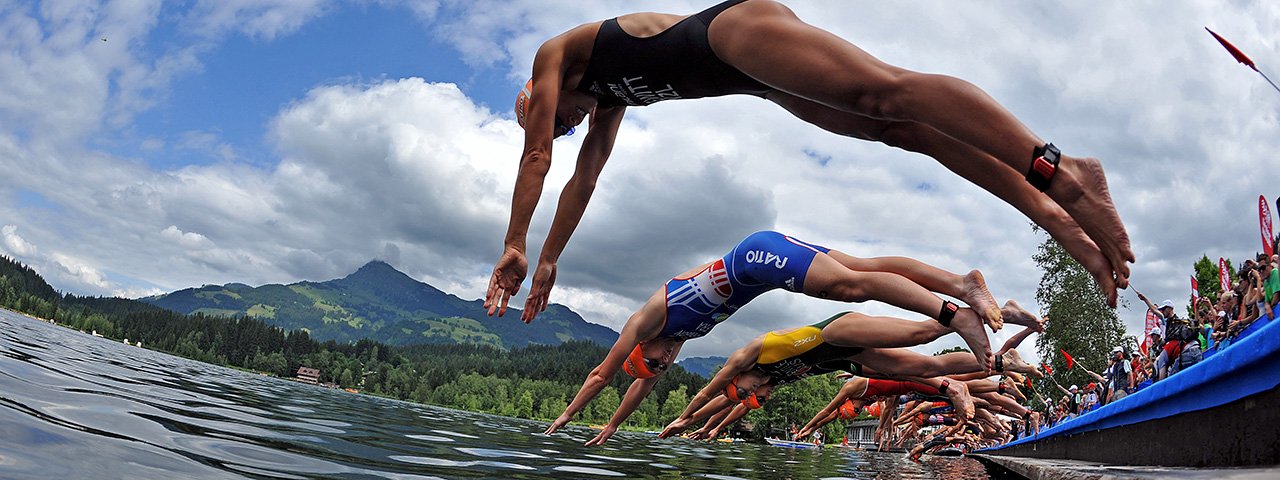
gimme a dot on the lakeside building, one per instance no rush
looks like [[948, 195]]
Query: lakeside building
[[308, 375]]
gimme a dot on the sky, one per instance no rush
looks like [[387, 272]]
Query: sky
[[152, 146]]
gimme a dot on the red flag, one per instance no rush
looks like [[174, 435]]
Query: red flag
[[1235, 52], [1222, 274], [1047, 368], [1264, 220], [1070, 361], [1195, 289], [1027, 380]]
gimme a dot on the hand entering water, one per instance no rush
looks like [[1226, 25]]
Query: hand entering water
[[602, 437]]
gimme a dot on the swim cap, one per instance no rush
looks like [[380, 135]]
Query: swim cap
[[848, 410], [731, 390], [637, 366], [522, 101], [753, 402], [522, 107]]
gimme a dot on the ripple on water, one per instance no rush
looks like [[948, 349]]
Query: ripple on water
[[615, 459], [718, 477], [454, 434], [589, 471], [430, 438], [495, 453], [585, 461], [440, 462]]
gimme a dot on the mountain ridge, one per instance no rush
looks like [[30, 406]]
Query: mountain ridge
[[381, 303]]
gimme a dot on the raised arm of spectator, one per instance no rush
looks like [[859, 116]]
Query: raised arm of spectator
[[1150, 305], [1092, 374]]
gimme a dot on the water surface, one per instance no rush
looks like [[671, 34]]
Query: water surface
[[77, 406]]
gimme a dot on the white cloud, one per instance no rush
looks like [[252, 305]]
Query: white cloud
[[17, 246]]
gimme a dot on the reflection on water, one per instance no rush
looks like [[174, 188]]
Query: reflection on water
[[76, 406]]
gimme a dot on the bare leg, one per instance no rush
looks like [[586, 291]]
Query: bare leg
[[970, 288], [768, 42], [903, 362], [858, 330], [973, 164], [828, 278]]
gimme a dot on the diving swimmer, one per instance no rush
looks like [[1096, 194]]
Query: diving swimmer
[[595, 71]]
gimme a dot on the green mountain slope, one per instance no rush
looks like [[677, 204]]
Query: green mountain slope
[[381, 303]]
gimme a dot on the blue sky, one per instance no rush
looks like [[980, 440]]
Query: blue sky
[[282, 140]]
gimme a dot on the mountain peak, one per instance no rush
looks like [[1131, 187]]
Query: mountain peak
[[379, 270]]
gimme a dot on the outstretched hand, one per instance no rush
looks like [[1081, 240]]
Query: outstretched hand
[[544, 277], [505, 281], [560, 422], [602, 437], [675, 428]]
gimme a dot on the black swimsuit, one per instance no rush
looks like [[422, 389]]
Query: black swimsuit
[[677, 63]]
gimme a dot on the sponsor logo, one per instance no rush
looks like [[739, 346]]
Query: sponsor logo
[[636, 91], [791, 284], [804, 341], [763, 257]]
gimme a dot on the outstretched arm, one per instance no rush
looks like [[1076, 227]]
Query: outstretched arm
[[740, 361], [645, 323], [1092, 374], [848, 391], [595, 151], [535, 162], [1150, 305], [630, 402]]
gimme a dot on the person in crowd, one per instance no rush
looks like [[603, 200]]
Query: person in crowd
[[595, 71], [1177, 333], [1119, 376], [1157, 343], [1071, 402]]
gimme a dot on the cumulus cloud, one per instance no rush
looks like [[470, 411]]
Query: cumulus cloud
[[17, 246]]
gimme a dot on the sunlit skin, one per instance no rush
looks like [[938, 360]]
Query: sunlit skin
[[832, 84]]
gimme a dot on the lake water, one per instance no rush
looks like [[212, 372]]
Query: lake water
[[76, 406]]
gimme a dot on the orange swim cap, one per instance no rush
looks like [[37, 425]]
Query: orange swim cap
[[522, 107], [522, 101], [848, 410], [637, 366], [731, 391], [753, 402]]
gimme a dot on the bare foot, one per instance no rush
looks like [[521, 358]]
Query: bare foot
[[1083, 193], [958, 393], [981, 301], [969, 326], [1017, 315], [1014, 363], [1011, 386], [1016, 377]]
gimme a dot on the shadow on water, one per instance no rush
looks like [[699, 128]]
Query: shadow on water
[[77, 406]]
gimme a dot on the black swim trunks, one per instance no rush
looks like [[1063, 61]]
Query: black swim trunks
[[677, 63]]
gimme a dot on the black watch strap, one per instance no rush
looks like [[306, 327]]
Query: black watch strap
[[1044, 165]]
